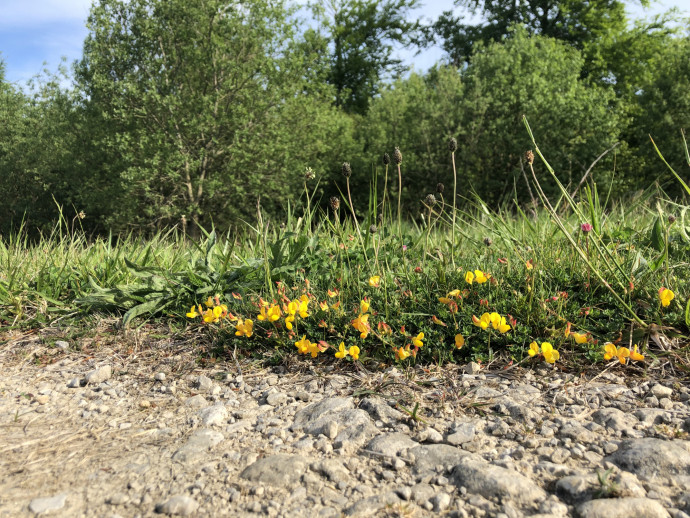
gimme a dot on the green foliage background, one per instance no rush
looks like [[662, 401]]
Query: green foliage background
[[192, 113]]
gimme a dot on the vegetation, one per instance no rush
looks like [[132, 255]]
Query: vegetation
[[224, 169]]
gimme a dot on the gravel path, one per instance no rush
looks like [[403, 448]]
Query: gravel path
[[143, 432]]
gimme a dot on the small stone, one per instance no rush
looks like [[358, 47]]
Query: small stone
[[44, 505], [74, 383], [462, 433], [276, 399], [62, 345], [404, 492], [440, 502], [42, 400], [99, 375], [144, 403], [622, 508], [160, 376], [472, 368], [117, 499], [214, 415], [660, 391], [197, 401], [181, 505], [203, 383], [276, 470]]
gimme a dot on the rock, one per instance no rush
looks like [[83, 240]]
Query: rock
[[650, 416], [390, 444], [472, 368], [379, 410], [144, 403], [311, 413], [42, 399], [203, 383], [491, 481], [614, 419], [333, 470], [117, 499], [622, 508], [430, 435], [661, 391], [98, 375], [180, 505], [462, 433], [74, 383], [62, 345], [214, 415], [576, 488], [197, 445], [44, 505], [197, 401], [651, 458], [371, 505], [159, 376], [276, 399], [279, 470], [441, 501], [577, 433], [428, 456]]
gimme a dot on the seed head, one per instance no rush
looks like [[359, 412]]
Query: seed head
[[452, 144], [380, 219], [373, 229], [488, 241], [529, 156], [671, 219], [335, 203], [386, 159], [347, 170], [397, 156], [439, 188], [430, 200], [309, 174]]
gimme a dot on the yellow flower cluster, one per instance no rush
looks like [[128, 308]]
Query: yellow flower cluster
[[621, 353], [493, 320], [296, 307], [352, 351], [214, 312], [361, 323], [305, 346], [550, 354], [478, 276]]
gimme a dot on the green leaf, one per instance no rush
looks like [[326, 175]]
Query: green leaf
[[150, 307], [657, 236], [687, 313]]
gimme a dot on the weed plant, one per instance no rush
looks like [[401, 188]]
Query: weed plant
[[570, 282]]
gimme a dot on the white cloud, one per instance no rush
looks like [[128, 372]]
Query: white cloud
[[18, 13]]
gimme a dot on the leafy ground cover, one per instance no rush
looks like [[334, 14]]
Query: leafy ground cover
[[575, 281]]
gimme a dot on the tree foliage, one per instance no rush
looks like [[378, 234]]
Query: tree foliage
[[361, 35]]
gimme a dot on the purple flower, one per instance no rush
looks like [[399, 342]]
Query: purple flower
[[586, 227]]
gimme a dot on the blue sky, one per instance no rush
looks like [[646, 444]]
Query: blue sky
[[36, 31]]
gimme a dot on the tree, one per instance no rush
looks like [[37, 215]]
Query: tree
[[362, 35], [201, 107], [587, 25]]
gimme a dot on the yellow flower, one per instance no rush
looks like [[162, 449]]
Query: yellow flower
[[218, 312], [209, 317], [288, 321], [459, 341], [666, 296], [292, 308], [354, 352], [324, 306], [209, 302], [483, 322], [502, 326], [341, 351], [333, 293], [623, 354], [469, 277], [313, 349], [375, 281], [361, 324], [304, 308], [480, 276], [454, 293], [580, 338], [192, 313], [303, 345], [444, 300], [550, 354], [610, 351], [402, 353], [533, 349], [245, 328], [363, 306], [417, 341], [634, 355]]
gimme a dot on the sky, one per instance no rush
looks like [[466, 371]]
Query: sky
[[37, 34]]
